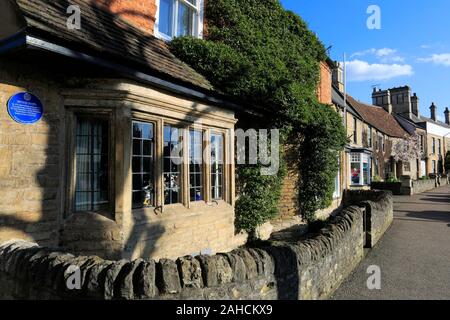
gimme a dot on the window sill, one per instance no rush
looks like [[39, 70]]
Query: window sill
[[90, 218]]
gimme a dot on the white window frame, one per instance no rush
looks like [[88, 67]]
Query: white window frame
[[363, 158], [198, 21], [337, 182]]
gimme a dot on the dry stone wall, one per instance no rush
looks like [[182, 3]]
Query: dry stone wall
[[308, 268]]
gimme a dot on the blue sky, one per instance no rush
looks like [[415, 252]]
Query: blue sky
[[411, 48]]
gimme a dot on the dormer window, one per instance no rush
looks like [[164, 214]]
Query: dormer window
[[177, 18]]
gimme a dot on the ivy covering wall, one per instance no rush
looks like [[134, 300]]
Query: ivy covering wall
[[265, 56]]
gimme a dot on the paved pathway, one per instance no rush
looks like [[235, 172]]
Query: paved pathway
[[414, 254]]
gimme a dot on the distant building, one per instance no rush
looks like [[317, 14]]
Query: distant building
[[406, 107]]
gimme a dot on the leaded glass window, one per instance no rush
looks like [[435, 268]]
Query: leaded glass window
[[143, 193], [172, 164], [195, 165], [217, 160], [92, 165]]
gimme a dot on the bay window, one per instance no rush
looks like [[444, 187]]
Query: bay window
[[359, 169], [176, 18]]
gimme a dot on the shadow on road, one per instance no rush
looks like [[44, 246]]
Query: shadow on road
[[431, 215]]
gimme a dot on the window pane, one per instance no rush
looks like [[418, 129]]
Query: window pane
[[92, 165], [216, 166], [172, 164], [165, 21], [185, 20], [366, 173], [196, 165], [137, 147], [355, 172], [136, 164], [142, 165]]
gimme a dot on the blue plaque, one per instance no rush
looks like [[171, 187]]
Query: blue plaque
[[25, 108]]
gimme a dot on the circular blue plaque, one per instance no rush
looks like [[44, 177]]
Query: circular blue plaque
[[25, 108]]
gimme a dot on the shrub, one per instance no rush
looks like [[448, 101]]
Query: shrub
[[265, 56], [392, 180], [377, 179]]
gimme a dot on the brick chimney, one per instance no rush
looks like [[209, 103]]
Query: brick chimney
[[433, 111], [338, 76], [415, 104], [139, 13], [447, 116]]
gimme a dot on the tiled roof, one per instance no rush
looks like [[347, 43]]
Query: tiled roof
[[378, 118], [437, 122], [106, 35]]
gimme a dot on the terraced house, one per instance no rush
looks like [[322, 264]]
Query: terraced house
[[372, 131], [434, 133]]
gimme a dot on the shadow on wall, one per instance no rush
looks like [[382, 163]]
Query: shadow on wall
[[30, 162], [35, 182]]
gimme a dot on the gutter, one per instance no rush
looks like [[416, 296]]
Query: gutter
[[14, 42], [22, 40]]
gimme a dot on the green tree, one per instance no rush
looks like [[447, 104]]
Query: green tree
[[265, 56]]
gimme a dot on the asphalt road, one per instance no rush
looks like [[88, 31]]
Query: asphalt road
[[414, 254]]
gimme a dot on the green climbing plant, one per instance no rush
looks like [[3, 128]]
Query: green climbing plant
[[262, 55]]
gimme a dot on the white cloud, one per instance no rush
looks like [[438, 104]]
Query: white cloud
[[385, 55], [439, 59], [358, 70], [425, 46], [385, 52]]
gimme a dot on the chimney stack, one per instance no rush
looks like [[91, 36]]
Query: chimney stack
[[447, 116], [382, 99], [433, 111], [415, 104], [338, 76]]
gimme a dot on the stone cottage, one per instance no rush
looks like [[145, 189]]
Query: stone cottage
[[97, 173]]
